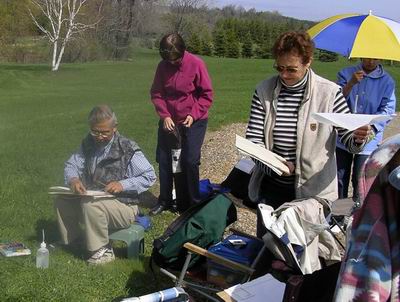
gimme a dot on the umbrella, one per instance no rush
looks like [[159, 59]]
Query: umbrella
[[358, 36]]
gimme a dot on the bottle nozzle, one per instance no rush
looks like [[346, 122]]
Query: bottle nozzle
[[43, 244]]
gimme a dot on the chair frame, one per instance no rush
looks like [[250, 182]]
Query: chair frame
[[207, 291]]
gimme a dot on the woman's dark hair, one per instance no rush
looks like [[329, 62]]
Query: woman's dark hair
[[294, 42], [172, 47]]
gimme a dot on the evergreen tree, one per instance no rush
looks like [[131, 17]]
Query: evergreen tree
[[247, 47], [193, 44], [269, 39], [206, 49], [257, 51], [256, 29], [232, 45], [276, 31], [241, 30], [219, 43], [327, 56], [263, 51]]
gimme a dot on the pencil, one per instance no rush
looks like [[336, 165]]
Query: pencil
[[101, 183]]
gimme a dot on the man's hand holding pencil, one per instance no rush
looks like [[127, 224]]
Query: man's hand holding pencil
[[113, 187], [77, 186]]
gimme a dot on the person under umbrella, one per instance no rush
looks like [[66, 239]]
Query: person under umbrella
[[368, 89]]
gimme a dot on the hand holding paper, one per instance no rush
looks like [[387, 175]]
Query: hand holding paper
[[362, 134]]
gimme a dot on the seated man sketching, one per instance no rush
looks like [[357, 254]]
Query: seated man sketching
[[105, 161]]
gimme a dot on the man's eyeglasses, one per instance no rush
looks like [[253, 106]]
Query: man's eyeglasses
[[280, 68], [103, 134]]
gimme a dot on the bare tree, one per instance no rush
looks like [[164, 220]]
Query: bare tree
[[63, 23], [124, 20], [182, 13]]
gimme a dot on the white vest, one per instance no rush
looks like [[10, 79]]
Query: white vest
[[315, 173]]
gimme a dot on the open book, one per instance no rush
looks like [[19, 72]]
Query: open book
[[58, 190], [275, 162]]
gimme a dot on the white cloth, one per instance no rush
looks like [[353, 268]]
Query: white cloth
[[302, 231]]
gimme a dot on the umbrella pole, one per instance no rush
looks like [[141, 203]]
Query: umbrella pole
[[355, 104]]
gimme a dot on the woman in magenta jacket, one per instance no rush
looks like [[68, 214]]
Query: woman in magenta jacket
[[181, 94]]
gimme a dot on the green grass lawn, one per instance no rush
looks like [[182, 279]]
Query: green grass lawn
[[42, 120]]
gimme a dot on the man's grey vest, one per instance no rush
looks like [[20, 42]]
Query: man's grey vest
[[112, 168]]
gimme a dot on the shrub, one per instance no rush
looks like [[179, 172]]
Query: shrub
[[327, 56]]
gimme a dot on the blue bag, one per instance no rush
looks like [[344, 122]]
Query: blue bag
[[244, 253], [207, 189]]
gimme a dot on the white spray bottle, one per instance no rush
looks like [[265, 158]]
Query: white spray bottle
[[42, 255]]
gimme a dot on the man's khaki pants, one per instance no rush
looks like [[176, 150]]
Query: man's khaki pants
[[96, 216]]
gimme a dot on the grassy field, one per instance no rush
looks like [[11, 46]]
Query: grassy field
[[42, 120]]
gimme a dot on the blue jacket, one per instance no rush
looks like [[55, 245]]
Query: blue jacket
[[375, 96]]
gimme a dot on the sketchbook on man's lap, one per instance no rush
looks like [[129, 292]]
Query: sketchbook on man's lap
[[59, 190]]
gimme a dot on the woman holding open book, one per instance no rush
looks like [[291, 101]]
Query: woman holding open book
[[281, 121]]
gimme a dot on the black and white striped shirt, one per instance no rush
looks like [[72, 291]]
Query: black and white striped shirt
[[285, 130]]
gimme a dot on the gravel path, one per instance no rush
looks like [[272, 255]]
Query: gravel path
[[219, 155]]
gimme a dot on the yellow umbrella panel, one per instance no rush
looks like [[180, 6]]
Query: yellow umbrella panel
[[359, 36]]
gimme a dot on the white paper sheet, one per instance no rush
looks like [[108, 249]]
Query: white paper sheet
[[245, 165], [350, 121], [265, 288]]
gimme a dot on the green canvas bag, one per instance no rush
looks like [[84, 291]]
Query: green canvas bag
[[202, 225]]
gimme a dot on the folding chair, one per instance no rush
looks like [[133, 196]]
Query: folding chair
[[192, 280], [196, 281]]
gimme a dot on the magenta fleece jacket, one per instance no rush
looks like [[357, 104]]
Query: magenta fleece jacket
[[182, 90]]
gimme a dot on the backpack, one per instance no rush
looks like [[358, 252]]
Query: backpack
[[201, 225]]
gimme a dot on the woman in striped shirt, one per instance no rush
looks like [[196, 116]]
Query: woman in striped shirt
[[281, 121]]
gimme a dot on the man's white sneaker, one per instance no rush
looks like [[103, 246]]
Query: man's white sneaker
[[103, 255]]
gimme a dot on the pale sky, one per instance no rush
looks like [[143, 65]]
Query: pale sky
[[316, 10]]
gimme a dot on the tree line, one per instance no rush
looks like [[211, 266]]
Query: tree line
[[235, 37], [108, 29]]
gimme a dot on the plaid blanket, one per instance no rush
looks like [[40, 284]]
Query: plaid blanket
[[371, 267]]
